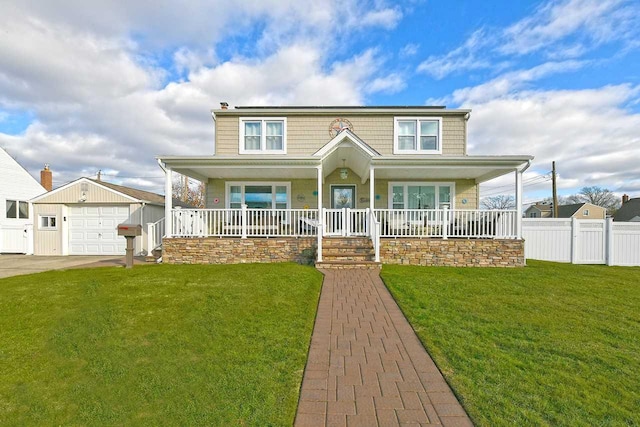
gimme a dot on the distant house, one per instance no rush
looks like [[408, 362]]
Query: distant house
[[629, 211], [80, 218], [17, 187], [582, 211], [539, 210]]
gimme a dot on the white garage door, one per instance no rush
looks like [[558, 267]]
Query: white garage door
[[93, 230]]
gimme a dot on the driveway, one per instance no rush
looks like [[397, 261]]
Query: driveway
[[15, 265]]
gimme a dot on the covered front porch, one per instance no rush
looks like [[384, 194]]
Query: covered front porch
[[347, 190]]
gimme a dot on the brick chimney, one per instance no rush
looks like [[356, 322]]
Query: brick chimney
[[625, 198], [224, 105], [46, 178]]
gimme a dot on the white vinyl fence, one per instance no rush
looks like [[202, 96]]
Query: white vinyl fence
[[582, 241]]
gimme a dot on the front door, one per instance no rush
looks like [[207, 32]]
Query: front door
[[343, 196]]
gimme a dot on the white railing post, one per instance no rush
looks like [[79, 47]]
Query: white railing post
[[244, 221], [346, 222], [445, 223], [151, 233]]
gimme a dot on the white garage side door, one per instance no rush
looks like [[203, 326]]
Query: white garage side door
[[93, 230]]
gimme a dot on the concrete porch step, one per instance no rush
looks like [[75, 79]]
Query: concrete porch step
[[348, 257], [341, 265]]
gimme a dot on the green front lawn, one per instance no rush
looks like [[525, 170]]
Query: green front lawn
[[549, 344], [169, 345]]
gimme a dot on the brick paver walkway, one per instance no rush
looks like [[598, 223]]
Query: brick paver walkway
[[366, 366]]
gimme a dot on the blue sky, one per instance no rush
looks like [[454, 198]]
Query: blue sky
[[108, 86]]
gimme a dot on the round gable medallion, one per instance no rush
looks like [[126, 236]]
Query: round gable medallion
[[338, 125]]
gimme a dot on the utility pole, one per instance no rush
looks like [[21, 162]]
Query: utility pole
[[555, 189], [99, 174]]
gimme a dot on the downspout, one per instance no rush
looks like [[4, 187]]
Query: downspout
[[466, 121], [143, 228]]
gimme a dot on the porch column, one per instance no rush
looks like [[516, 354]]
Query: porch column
[[372, 188], [518, 203], [320, 215], [168, 201]]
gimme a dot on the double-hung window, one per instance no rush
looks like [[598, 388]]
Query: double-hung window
[[417, 135], [263, 135], [17, 209]]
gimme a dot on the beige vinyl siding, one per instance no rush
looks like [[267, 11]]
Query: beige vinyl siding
[[94, 194], [307, 134], [47, 242], [302, 191], [453, 134]]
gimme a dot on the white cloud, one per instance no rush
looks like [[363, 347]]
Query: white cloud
[[589, 133], [462, 58], [599, 21], [409, 50], [557, 30], [506, 83], [390, 84]]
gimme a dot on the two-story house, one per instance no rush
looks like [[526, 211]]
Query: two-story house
[[285, 181]]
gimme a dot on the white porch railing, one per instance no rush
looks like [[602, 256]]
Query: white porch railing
[[346, 222], [424, 223], [155, 232], [244, 222], [447, 223]]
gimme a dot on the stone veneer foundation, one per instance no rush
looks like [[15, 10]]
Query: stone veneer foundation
[[214, 250], [453, 252], [408, 251]]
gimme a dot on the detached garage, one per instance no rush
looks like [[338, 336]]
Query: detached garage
[[80, 218]]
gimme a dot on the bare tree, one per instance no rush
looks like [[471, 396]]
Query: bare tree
[[194, 194], [499, 202], [597, 196]]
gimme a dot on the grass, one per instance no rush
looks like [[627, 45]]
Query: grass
[[169, 345], [549, 344]]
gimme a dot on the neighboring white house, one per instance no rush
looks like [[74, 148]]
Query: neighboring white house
[[17, 187], [81, 218]]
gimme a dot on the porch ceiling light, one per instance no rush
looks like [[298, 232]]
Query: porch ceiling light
[[344, 172]]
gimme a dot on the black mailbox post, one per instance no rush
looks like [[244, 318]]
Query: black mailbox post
[[130, 232]]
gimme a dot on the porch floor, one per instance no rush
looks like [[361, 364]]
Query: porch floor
[[366, 365]]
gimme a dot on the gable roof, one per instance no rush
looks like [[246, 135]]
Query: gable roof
[[141, 195], [15, 180], [542, 207], [340, 139], [133, 194], [628, 210], [567, 211]]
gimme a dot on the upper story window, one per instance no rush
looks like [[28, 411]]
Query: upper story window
[[263, 135], [417, 135], [17, 209]]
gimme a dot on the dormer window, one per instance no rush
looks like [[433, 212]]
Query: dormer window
[[263, 135], [417, 135]]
